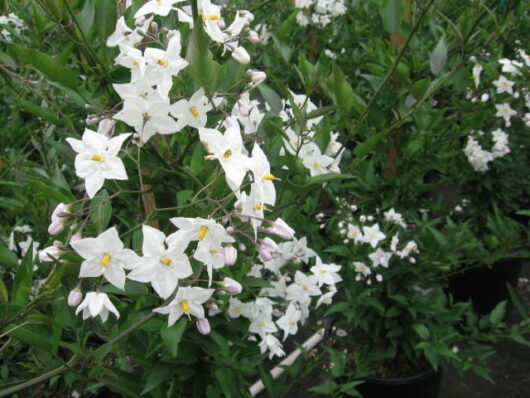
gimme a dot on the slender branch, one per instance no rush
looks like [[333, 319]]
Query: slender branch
[[396, 62], [195, 10]]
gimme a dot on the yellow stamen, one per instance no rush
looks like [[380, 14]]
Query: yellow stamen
[[292, 323], [135, 63], [165, 260], [227, 154], [237, 310], [105, 260], [317, 164], [214, 250], [202, 232], [146, 116], [305, 287], [270, 177], [323, 271], [261, 324], [161, 62], [185, 307], [194, 112], [97, 158], [213, 17]]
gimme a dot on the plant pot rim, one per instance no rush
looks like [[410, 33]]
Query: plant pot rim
[[394, 381]]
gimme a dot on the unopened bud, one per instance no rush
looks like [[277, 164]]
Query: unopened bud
[[280, 228], [264, 254], [213, 309], [241, 55], [230, 121], [246, 14], [269, 245], [74, 297], [153, 27], [55, 227], [230, 255], [253, 37], [203, 326], [140, 21], [221, 23], [243, 110], [231, 286], [256, 76], [50, 253], [91, 120]]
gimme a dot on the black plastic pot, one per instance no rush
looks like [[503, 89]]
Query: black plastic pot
[[485, 286], [423, 385]]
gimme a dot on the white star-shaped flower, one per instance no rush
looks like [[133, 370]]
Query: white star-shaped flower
[[188, 301], [97, 303]]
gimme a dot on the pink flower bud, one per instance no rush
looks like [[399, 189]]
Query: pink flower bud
[[203, 325], [243, 110], [241, 55], [280, 228], [230, 121], [264, 254], [253, 37], [50, 253], [256, 76], [246, 14], [55, 227], [230, 255], [106, 127], [221, 23], [140, 21], [74, 297], [269, 245], [77, 236], [232, 286], [213, 309]]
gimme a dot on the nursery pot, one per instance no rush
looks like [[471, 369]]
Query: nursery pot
[[485, 286], [422, 385]]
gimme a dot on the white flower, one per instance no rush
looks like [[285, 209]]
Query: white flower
[[262, 324], [326, 298], [263, 178], [326, 273], [188, 301], [159, 7], [380, 257], [372, 235], [237, 308], [211, 15], [504, 85], [510, 66], [289, 322], [362, 268], [354, 232], [105, 256], [192, 112], [161, 266], [506, 112], [272, 344], [97, 159], [392, 216], [228, 149], [477, 70], [97, 303], [303, 287]]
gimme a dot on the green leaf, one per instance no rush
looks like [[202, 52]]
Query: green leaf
[[222, 375], [271, 97], [4, 296], [205, 71], [516, 336], [106, 17], [7, 257], [422, 331], [46, 64], [86, 17], [344, 96], [157, 375], [328, 388], [34, 335], [320, 179], [52, 191], [518, 302], [11, 203], [101, 211], [392, 12], [171, 336], [498, 313], [23, 279], [40, 111], [439, 57]]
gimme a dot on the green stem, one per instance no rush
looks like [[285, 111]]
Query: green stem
[[195, 10]]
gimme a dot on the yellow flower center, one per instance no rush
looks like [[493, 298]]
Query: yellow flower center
[[317, 164], [214, 250], [292, 323], [105, 260], [165, 260], [185, 306], [194, 112], [202, 232], [270, 177], [146, 116], [227, 154], [161, 62], [237, 310], [260, 207], [135, 63], [97, 158], [323, 271], [305, 287], [261, 324]]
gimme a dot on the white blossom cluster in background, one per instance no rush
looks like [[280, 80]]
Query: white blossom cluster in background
[[165, 260], [509, 90], [378, 236], [302, 145], [266, 315], [319, 12], [10, 24]]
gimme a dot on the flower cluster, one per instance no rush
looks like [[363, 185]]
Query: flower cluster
[[10, 24], [319, 12], [380, 241], [303, 146], [507, 91], [174, 265]]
